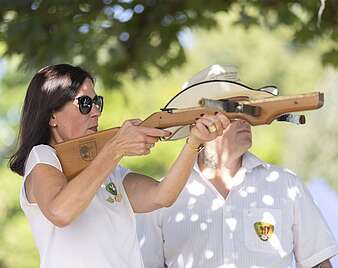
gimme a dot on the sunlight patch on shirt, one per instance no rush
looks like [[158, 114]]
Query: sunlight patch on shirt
[[231, 222], [196, 188], [243, 193], [289, 171], [273, 176], [208, 254], [216, 204], [142, 240], [268, 217], [239, 178], [186, 264], [194, 217], [203, 226], [276, 244], [251, 189], [268, 200], [192, 201], [179, 217], [293, 192]]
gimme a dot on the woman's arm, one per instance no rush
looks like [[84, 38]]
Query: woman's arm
[[145, 194], [62, 201]]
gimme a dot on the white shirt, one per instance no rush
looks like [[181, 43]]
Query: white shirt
[[103, 236], [202, 229]]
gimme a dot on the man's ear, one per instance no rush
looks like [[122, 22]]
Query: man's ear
[[52, 121]]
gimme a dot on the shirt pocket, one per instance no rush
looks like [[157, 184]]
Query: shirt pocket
[[263, 230]]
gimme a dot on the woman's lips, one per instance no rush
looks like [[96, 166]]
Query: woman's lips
[[93, 128], [244, 131]]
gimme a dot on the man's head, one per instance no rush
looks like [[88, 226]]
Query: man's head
[[237, 138]]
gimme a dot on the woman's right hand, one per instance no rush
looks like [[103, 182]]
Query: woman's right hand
[[200, 132], [133, 139]]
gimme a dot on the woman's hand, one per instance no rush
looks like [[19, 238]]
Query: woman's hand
[[133, 139], [208, 128]]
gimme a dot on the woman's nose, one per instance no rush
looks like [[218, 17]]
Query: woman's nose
[[95, 111]]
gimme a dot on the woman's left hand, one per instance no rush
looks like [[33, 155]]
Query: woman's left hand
[[208, 128]]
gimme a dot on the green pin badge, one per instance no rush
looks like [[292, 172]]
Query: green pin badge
[[111, 188]]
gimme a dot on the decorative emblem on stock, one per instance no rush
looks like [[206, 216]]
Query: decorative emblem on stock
[[88, 150]]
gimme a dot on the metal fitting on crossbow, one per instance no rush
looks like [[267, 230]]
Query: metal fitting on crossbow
[[292, 118], [230, 106]]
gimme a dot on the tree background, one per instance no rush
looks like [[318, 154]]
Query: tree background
[[142, 52]]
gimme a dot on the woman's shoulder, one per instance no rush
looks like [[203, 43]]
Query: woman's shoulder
[[43, 148], [42, 154]]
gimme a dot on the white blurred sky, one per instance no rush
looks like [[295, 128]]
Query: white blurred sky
[[327, 200]]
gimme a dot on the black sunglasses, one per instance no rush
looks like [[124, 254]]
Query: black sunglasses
[[86, 103]]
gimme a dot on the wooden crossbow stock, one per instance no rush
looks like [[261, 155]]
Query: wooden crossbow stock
[[76, 154]]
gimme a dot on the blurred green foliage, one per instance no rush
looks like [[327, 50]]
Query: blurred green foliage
[[313, 150], [112, 37], [262, 57]]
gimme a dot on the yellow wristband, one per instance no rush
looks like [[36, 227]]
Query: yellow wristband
[[195, 149]]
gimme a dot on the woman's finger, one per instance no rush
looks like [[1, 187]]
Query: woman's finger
[[224, 119], [207, 121], [202, 128], [218, 125], [150, 139], [150, 145], [135, 122], [212, 124], [155, 132]]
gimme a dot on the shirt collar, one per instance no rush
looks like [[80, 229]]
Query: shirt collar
[[249, 162]]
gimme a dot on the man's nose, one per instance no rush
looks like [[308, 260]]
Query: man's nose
[[243, 122]]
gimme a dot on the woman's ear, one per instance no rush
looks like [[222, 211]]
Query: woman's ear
[[52, 121]]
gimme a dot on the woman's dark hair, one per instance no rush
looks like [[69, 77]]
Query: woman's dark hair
[[50, 89]]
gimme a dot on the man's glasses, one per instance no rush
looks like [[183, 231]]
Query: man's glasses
[[86, 103]]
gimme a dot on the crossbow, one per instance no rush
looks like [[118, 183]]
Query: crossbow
[[76, 154]]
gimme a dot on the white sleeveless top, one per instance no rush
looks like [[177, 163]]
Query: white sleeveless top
[[103, 236]]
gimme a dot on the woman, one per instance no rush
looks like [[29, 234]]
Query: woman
[[89, 221]]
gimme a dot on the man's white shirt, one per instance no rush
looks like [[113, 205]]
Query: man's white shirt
[[267, 217]]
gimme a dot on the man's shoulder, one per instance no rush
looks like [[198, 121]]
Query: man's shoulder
[[281, 170], [274, 172]]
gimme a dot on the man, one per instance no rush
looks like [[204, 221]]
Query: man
[[236, 211]]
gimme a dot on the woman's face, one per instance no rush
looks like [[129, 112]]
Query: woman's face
[[69, 122]]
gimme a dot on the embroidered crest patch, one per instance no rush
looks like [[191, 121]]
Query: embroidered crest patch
[[264, 230], [115, 196]]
